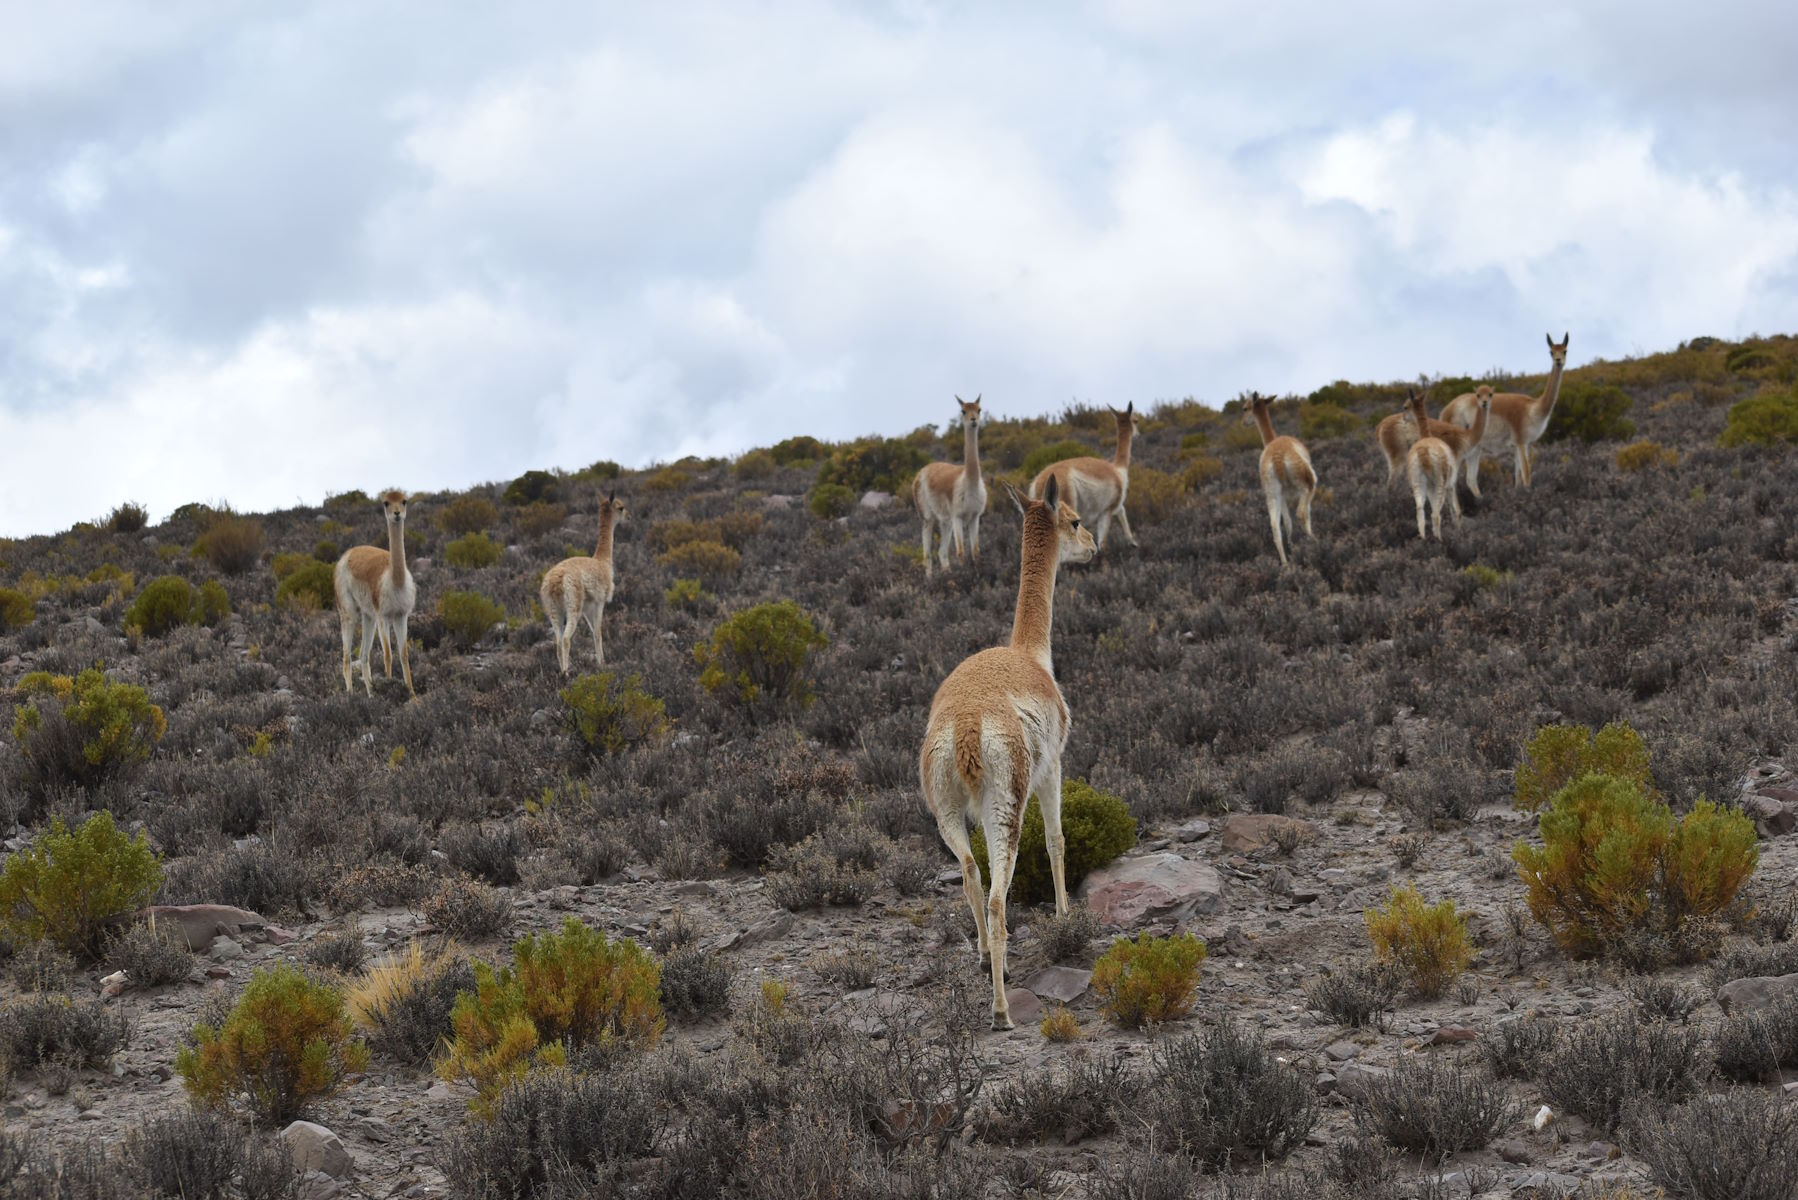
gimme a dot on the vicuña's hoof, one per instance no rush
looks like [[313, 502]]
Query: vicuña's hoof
[[1002, 1022]]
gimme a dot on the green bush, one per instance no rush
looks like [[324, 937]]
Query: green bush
[[325, 551], [68, 887], [712, 562], [1054, 452], [1614, 864], [1559, 754], [311, 587], [231, 543], [1156, 495], [1096, 827], [467, 514], [1767, 419], [761, 654], [473, 550], [1639, 456], [468, 616], [1149, 980], [1590, 411], [1427, 942], [686, 593], [286, 1043], [668, 479], [1320, 419], [564, 991], [16, 610], [828, 501], [611, 717], [873, 464], [757, 464], [538, 518], [354, 498], [83, 729], [799, 449], [530, 487], [171, 601], [283, 565]]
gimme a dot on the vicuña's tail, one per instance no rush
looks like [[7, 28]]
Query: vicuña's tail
[[968, 762]]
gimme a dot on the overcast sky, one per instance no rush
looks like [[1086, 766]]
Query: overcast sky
[[257, 253]]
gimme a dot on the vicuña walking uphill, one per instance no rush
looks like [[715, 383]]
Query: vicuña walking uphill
[[582, 587], [373, 585], [1094, 487], [996, 732]]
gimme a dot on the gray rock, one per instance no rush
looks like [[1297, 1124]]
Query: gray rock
[[777, 500], [1353, 1078], [1246, 832], [1756, 994], [1342, 1051], [1066, 984], [224, 949], [316, 1185], [876, 499], [1025, 1008], [316, 1148], [1160, 885], [1192, 831], [774, 925], [1514, 1151], [1771, 818], [198, 924]]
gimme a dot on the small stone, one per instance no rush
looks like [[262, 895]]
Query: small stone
[[1243, 833], [1513, 1151], [440, 1091], [279, 936], [1771, 818], [224, 949], [775, 924], [1449, 1034], [218, 972], [316, 1185], [1025, 1008], [876, 499], [1353, 1078], [1601, 1151], [316, 1148], [1342, 1051], [1192, 831], [1756, 993]]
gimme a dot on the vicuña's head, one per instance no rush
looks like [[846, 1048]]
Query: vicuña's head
[[1482, 395], [970, 411], [393, 504], [1126, 419], [1258, 404], [1073, 541], [614, 506], [1557, 352]]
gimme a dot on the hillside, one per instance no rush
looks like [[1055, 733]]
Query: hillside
[[1379, 692]]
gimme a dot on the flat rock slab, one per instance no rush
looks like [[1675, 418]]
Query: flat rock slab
[[1244, 833], [774, 925], [1159, 885], [1353, 1078], [1757, 993], [198, 924], [1772, 818], [1066, 984]]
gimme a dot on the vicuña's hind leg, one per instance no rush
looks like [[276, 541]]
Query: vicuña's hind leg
[[1274, 508], [369, 624], [1001, 854], [594, 614], [1422, 527], [927, 566], [1305, 510], [1473, 472], [955, 836], [386, 646], [399, 635], [1124, 524], [346, 617], [1048, 802]]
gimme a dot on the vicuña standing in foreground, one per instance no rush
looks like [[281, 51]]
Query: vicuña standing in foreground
[[996, 732], [1518, 421], [951, 498], [582, 587], [1094, 487], [1431, 466], [373, 585], [1287, 478], [1396, 435]]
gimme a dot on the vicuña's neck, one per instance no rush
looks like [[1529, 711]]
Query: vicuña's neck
[[1418, 412], [1545, 403], [1036, 594], [1480, 417], [606, 520], [970, 450], [396, 551], [1265, 424], [1121, 457]]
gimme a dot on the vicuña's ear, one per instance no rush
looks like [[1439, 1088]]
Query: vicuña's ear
[[1017, 501], [611, 495], [1130, 409], [1051, 493]]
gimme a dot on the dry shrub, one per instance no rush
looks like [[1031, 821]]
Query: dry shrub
[[539, 518], [1226, 1100], [231, 543], [1156, 495], [403, 1003], [1435, 1109], [713, 563], [467, 514], [1640, 456]]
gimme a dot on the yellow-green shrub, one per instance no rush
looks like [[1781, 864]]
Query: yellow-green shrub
[[1054, 452], [1320, 419], [538, 518], [1239, 436], [801, 449], [709, 561], [611, 717], [171, 601], [82, 729], [761, 654], [68, 887], [1764, 419], [1149, 980], [467, 514], [128, 518], [16, 610], [1156, 495], [468, 616], [668, 479], [564, 991], [311, 587], [283, 565], [531, 487], [1639, 456], [828, 501], [1200, 469], [1614, 862], [1427, 942], [287, 1042], [1559, 754], [686, 593], [882, 464], [757, 464], [1096, 827], [472, 551], [1590, 410]]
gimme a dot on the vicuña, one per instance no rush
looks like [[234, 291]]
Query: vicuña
[[582, 586], [374, 586]]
